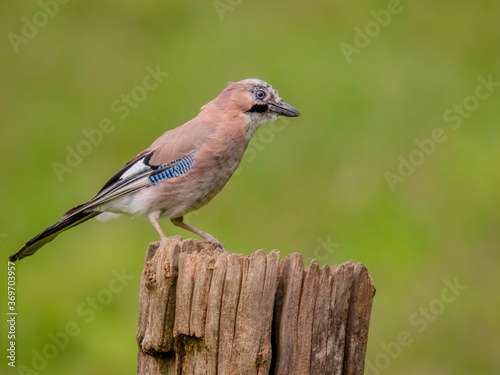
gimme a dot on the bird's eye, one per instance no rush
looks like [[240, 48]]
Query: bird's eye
[[260, 94]]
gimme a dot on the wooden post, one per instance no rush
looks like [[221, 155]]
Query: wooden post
[[206, 311]]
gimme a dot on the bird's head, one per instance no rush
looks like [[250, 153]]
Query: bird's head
[[260, 99], [256, 99]]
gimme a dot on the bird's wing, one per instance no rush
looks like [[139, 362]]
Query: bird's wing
[[137, 174], [168, 157], [172, 155]]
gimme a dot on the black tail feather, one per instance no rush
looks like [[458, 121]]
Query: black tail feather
[[50, 233]]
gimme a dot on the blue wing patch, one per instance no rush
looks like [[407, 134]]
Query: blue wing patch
[[178, 167]]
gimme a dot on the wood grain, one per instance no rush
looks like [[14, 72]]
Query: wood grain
[[206, 311]]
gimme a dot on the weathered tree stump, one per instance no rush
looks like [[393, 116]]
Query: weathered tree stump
[[206, 311]]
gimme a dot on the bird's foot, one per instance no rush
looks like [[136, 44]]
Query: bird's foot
[[211, 239]]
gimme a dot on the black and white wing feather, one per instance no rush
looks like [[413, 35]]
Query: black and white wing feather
[[137, 174]]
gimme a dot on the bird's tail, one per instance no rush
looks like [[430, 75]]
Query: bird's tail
[[50, 233]]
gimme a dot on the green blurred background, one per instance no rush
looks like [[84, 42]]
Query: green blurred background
[[316, 184]]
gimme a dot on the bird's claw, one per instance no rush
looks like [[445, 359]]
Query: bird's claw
[[214, 241]]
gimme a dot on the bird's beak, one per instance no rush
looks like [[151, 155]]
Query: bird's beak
[[284, 109]]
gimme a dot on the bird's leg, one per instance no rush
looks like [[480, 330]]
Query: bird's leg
[[178, 221], [153, 219]]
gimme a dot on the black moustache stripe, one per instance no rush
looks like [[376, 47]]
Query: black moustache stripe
[[259, 108]]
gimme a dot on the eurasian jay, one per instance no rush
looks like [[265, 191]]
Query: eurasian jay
[[184, 168]]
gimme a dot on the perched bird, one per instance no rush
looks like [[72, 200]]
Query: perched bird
[[184, 168]]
